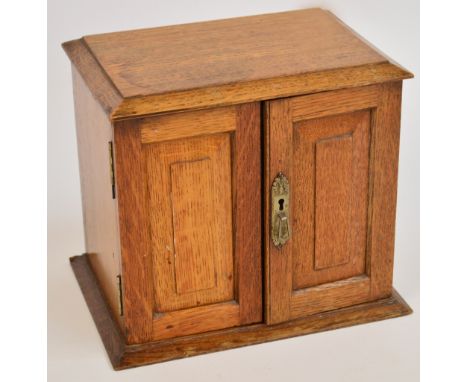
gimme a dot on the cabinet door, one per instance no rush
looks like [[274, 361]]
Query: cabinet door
[[339, 153], [188, 186]]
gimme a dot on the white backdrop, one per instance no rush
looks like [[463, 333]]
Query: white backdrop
[[384, 351]]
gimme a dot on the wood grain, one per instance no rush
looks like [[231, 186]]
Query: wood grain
[[188, 226], [278, 148], [329, 201], [384, 177], [92, 74], [194, 222], [141, 62], [337, 102], [329, 205], [136, 257], [196, 320], [182, 106], [190, 214], [333, 196], [245, 92], [125, 356], [94, 132], [190, 124], [101, 312], [248, 213], [330, 296], [227, 62]]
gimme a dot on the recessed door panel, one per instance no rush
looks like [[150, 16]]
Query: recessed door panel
[[330, 200], [193, 218], [333, 190], [191, 221]]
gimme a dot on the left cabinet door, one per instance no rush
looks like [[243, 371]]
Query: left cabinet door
[[188, 189]]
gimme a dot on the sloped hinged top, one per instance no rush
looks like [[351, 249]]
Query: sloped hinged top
[[225, 62]]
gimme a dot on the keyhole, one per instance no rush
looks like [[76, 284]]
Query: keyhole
[[281, 204]]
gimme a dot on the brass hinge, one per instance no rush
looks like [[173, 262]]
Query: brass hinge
[[111, 166], [119, 289]]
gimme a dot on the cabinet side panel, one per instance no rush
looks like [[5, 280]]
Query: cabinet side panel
[[94, 132]]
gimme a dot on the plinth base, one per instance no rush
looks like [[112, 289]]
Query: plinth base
[[123, 356]]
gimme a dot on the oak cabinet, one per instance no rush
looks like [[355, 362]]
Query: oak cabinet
[[239, 183]]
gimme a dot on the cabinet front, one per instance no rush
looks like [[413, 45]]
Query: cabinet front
[[188, 186], [334, 155]]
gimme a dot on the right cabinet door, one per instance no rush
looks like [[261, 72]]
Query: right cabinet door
[[338, 151]]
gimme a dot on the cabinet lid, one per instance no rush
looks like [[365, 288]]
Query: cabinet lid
[[226, 62]]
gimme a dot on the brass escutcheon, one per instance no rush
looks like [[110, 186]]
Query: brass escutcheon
[[280, 231]]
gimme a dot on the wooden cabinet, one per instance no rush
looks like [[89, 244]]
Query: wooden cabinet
[[238, 180]]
